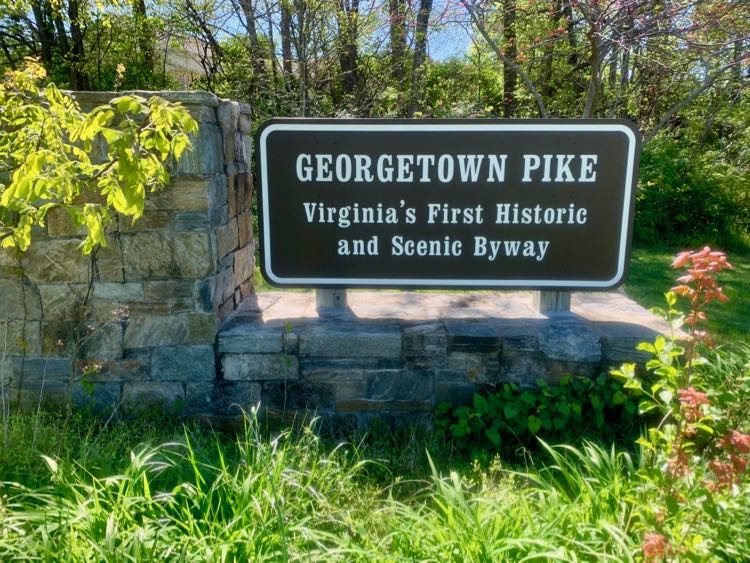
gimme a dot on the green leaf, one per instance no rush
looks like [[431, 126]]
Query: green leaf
[[599, 419], [480, 403], [534, 424], [511, 410], [528, 398], [493, 436]]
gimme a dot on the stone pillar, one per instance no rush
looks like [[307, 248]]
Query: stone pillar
[[147, 307]]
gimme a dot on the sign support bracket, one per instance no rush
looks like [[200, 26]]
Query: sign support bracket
[[331, 303], [552, 301]]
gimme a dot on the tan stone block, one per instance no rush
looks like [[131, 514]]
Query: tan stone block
[[148, 331], [244, 263], [61, 224], [202, 328], [185, 193], [185, 255], [245, 225], [56, 261], [226, 238], [109, 262]]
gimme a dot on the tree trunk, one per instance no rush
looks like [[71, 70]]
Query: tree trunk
[[420, 54], [510, 77], [145, 39], [286, 42], [77, 53], [549, 52], [45, 32], [595, 80], [397, 20], [348, 12], [256, 55]]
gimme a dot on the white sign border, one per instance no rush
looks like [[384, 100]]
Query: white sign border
[[446, 128]]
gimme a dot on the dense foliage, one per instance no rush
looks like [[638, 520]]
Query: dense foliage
[[678, 69], [56, 158], [508, 418]]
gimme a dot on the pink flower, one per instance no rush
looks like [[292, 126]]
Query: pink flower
[[741, 442], [655, 546], [692, 398]]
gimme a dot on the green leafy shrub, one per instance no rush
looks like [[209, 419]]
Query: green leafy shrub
[[54, 156], [686, 196], [694, 461], [507, 417]]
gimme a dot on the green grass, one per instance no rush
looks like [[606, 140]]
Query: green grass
[[651, 276], [87, 490]]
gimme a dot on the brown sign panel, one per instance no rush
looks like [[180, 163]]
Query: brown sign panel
[[449, 203]]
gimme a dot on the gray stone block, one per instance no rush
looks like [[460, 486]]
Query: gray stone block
[[105, 342], [228, 114], [119, 291], [253, 338], [298, 395], [20, 338], [163, 290], [151, 220], [229, 397], [619, 341], [149, 331], [217, 191], [207, 156], [103, 398], [399, 385], [570, 341], [20, 301], [351, 340], [61, 224], [259, 367], [449, 375], [191, 221], [425, 345], [62, 301], [456, 393], [183, 363], [132, 368], [479, 367], [309, 365], [38, 369], [519, 338], [522, 368], [472, 336], [145, 395], [346, 383]]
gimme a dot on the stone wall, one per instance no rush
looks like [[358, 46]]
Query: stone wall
[[395, 356], [145, 309]]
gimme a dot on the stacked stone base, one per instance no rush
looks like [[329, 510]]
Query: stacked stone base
[[394, 356]]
